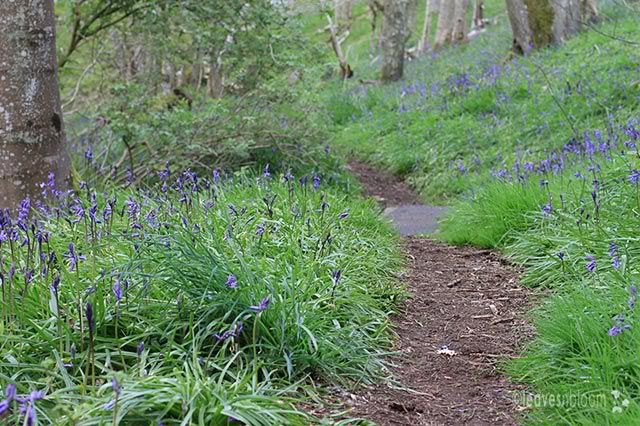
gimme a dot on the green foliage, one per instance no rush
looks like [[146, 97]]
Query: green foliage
[[472, 105], [156, 270], [494, 215], [140, 133], [540, 15]]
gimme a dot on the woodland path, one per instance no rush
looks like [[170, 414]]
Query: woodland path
[[466, 313]]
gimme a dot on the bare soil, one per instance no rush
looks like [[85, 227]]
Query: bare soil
[[389, 190], [465, 315]]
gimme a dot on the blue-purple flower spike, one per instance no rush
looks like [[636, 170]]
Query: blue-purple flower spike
[[263, 306], [232, 281]]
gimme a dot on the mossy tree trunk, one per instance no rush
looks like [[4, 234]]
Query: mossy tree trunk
[[539, 23], [394, 39], [31, 125]]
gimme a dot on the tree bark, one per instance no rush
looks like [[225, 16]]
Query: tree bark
[[478, 15], [423, 44], [375, 9], [446, 21], [394, 38], [344, 13], [539, 23], [460, 22], [31, 123], [215, 82]]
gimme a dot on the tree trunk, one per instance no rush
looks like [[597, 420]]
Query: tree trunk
[[215, 83], [539, 23], [446, 22], [394, 38], [375, 9], [460, 21], [344, 11], [590, 11], [423, 45], [31, 124], [478, 15]]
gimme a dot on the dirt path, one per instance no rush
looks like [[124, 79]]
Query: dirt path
[[466, 313]]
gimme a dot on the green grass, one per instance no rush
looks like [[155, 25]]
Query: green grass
[[497, 213], [171, 255], [463, 127], [593, 205], [476, 106]]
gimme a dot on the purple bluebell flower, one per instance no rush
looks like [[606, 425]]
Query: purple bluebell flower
[[591, 264], [117, 291], [619, 325], [316, 182], [10, 392], [78, 210], [88, 155], [614, 331], [344, 215], [221, 337], [260, 230], [23, 214], [265, 172], [129, 177], [336, 276], [140, 348], [73, 257], [232, 281], [615, 261], [55, 284], [165, 173], [632, 132], [235, 331], [547, 209], [634, 176], [216, 175], [115, 386], [132, 207], [262, 306]]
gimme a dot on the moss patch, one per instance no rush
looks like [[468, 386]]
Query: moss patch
[[541, 21]]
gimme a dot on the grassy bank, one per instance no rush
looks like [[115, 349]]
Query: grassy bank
[[466, 112], [198, 300]]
